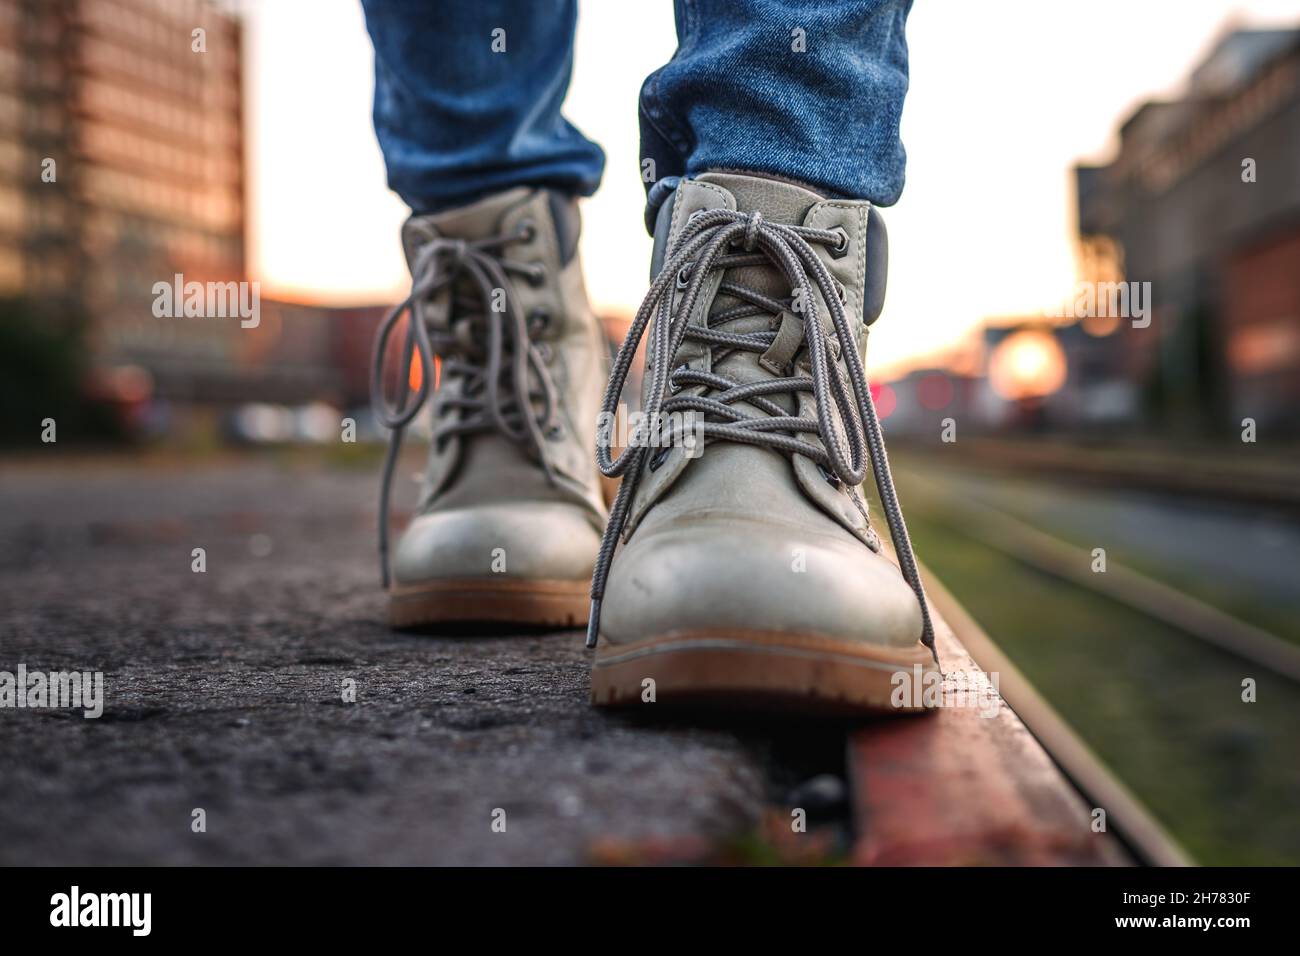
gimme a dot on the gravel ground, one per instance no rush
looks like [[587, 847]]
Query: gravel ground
[[223, 692]]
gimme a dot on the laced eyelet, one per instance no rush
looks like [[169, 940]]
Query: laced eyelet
[[831, 478], [841, 248], [659, 458], [683, 277], [527, 231], [673, 386], [539, 320]]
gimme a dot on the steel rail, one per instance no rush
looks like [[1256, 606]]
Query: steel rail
[[1181, 611]]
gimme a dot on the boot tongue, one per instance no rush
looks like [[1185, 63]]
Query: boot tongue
[[779, 202], [478, 220]]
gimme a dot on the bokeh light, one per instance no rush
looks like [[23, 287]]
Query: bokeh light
[[1027, 364]]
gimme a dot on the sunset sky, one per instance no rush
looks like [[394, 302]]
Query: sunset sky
[[1005, 96]]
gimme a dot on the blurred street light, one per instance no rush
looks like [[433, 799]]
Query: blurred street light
[[1027, 364]]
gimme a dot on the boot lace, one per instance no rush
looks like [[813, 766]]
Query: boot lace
[[507, 386], [721, 239]]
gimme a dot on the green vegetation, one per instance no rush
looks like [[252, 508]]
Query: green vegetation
[[42, 374]]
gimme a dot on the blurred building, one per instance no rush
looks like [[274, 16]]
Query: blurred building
[[300, 352], [1203, 202], [1033, 375], [121, 165], [919, 403]]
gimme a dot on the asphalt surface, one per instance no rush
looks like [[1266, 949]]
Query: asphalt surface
[[224, 693]]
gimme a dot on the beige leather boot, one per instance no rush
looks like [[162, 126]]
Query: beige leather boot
[[748, 573], [509, 519]]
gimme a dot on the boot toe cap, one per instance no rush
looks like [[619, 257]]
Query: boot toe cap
[[743, 575], [529, 540]]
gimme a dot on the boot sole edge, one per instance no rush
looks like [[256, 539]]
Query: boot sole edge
[[759, 670], [537, 603]]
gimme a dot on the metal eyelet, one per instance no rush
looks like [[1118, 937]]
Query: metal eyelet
[[832, 479], [672, 384], [841, 248], [683, 277], [539, 320], [659, 458], [527, 231], [555, 433], [537, 275]]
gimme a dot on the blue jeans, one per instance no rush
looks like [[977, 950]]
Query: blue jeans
[[468, 96]]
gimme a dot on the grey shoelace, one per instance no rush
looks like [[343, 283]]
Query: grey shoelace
[[475, 346], [706, 245]]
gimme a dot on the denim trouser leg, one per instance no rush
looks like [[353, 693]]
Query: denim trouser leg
[[468, 95], [810, 90]]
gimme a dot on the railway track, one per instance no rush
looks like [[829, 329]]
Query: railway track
[[1176, 615], [995, 528]]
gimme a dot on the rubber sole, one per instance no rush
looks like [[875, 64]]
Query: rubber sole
[[763, 671], [490, 601]]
